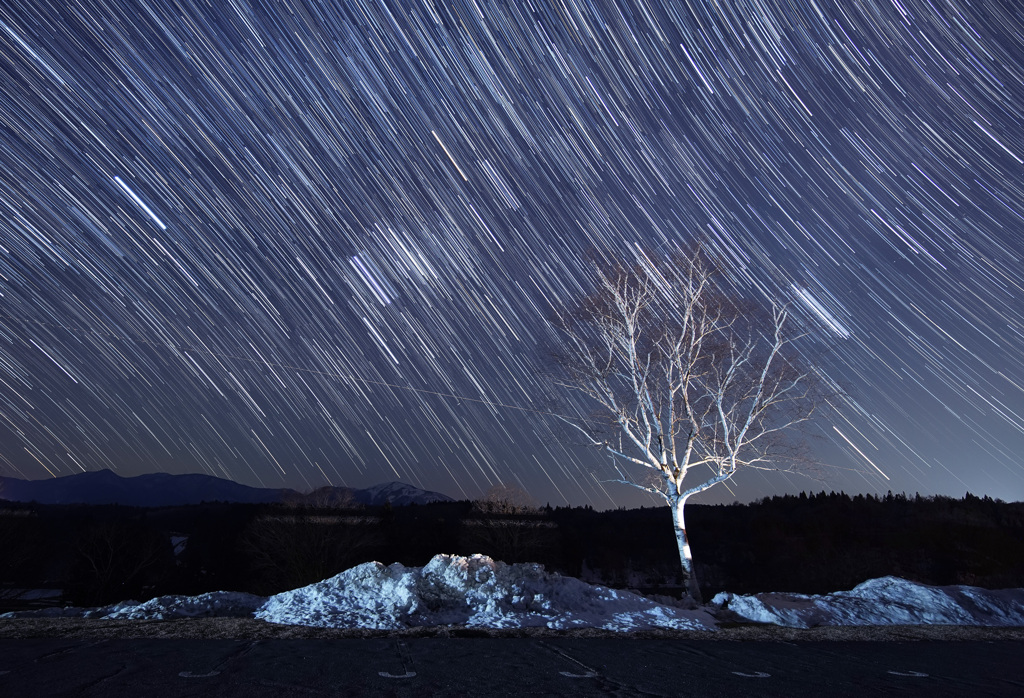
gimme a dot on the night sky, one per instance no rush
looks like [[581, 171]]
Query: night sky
[[268, 240]]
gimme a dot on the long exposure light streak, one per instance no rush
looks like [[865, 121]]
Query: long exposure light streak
[[308, 241]]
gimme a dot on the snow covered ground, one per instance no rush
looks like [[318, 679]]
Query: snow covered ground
[[480, 592], [231, 604], [885, 601]]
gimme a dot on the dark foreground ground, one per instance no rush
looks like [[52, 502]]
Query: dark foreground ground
[[520, 666]]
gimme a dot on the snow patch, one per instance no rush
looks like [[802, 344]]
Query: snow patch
[[885, 601]]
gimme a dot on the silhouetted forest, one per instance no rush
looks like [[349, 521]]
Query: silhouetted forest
[[806, 543]]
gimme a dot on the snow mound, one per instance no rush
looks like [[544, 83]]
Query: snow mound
[[232, 604], [885, 601], [216, 603], [473, 592], [480, 592]]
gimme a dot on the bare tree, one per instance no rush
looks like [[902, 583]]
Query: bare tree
[[506, 499], [508, 525], [311, 537], [116, 559], [689, 381]]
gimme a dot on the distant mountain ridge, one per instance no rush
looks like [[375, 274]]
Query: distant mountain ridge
[[164, 489]]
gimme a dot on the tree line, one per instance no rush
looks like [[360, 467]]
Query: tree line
[[804, 543]]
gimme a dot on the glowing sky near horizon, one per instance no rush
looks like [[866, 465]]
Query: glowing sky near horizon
[[255, 239]]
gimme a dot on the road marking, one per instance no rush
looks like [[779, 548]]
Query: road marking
[[403, 654], [907, 673], [216, 669], [755, 675], [588, 673]]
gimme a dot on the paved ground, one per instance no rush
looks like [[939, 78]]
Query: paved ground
[[507, 666]]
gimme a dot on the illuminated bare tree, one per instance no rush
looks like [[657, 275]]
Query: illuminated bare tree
[[692, 384]]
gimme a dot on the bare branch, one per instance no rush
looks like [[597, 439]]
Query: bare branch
[[688, 375], [649, 490]]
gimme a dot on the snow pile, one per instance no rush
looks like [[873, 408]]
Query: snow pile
[[480, 592], [473, 592], [885, 601], [232, 604]]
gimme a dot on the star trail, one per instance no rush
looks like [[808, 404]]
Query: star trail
[[299, 243]]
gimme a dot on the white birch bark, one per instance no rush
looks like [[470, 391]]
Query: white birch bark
[[685, 555]]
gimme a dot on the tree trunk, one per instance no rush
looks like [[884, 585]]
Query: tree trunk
[[685, 556]]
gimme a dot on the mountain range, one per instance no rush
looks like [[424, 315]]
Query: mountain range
[[164, 489]]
